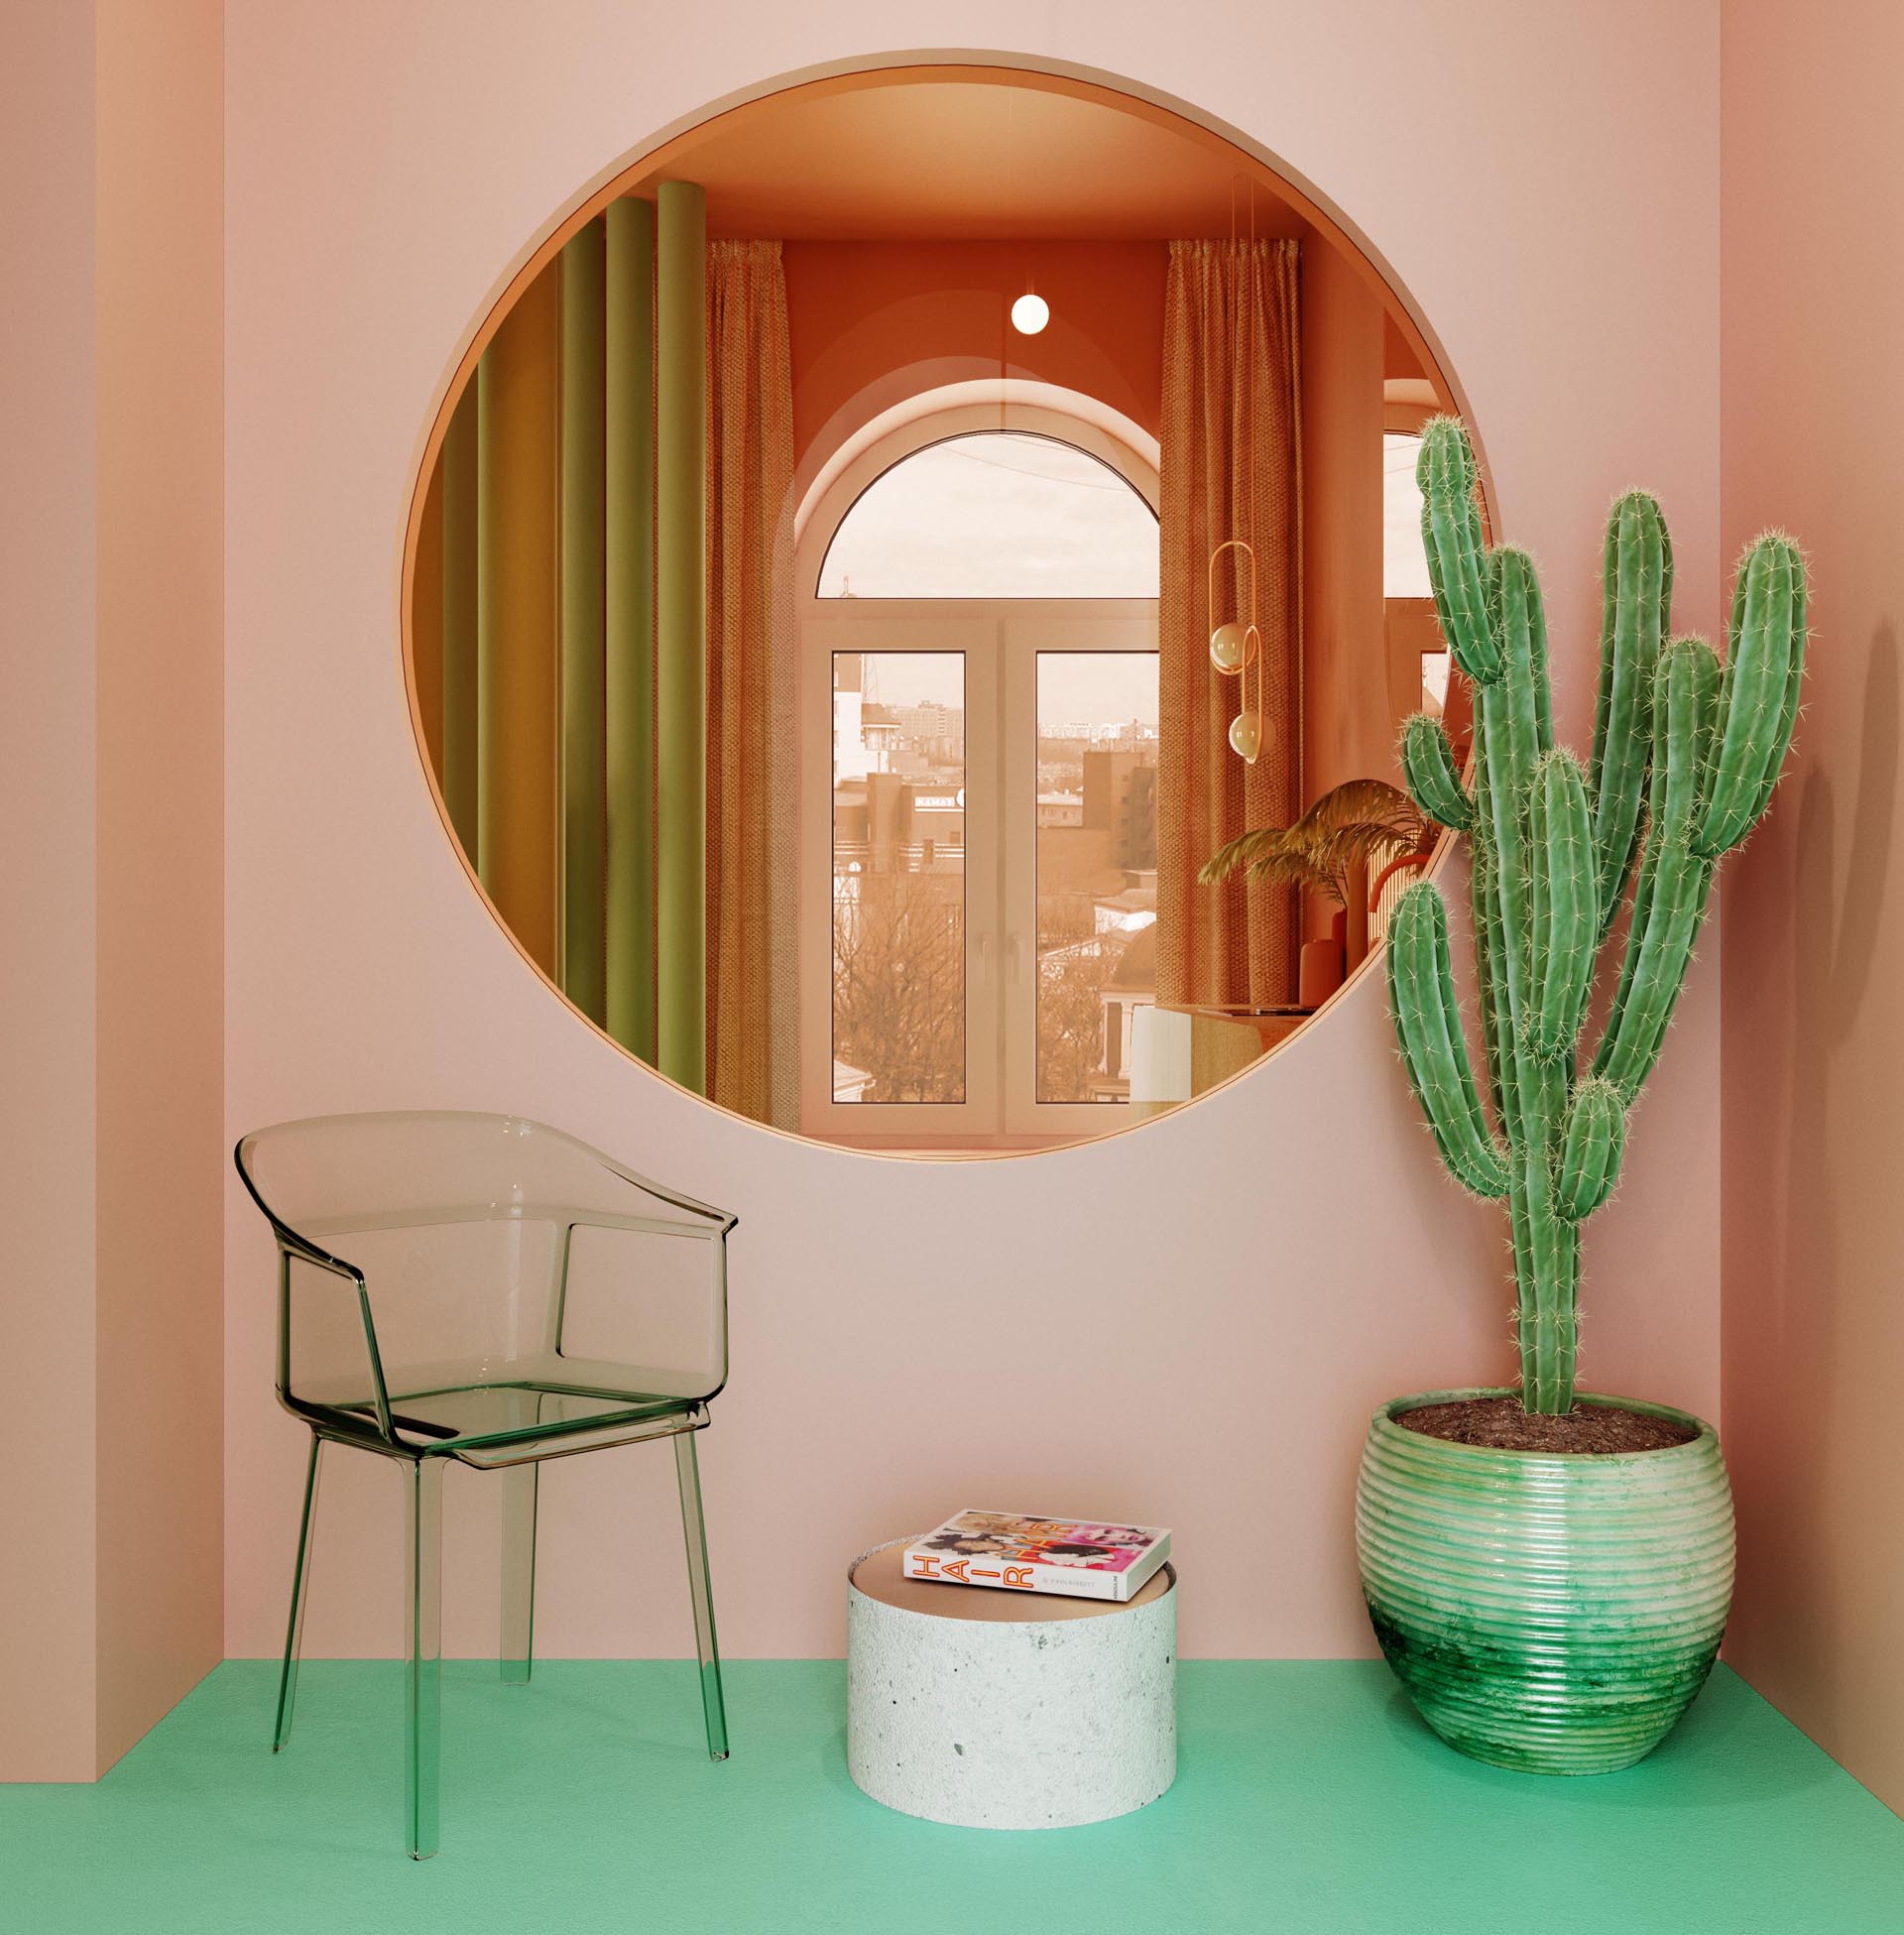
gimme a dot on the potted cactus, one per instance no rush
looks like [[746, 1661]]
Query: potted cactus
[[1549, 1571]]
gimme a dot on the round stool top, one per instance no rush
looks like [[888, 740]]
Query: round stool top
[[878, 1574]]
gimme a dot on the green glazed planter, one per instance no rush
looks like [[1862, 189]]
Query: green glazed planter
[[1554, 1613]]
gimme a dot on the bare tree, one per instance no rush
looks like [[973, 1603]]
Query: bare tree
[[899, 985], [1071, 1021]]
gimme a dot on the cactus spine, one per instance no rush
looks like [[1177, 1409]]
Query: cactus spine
[[1685, 758]]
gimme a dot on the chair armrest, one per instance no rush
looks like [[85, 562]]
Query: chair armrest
[[293, 1246], [660, 1307]]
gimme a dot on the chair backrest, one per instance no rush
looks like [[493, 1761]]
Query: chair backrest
[[436, 1246]]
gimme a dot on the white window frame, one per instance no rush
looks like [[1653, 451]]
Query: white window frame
[[1000, 639]]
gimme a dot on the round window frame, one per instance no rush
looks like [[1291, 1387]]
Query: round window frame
[[656, 153]]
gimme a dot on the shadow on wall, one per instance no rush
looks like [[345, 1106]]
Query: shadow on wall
[[1833, 951]]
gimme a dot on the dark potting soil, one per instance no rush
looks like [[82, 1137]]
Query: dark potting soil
[[1503, 1424]]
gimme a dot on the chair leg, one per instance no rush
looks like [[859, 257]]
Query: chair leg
[[519, 1572], [423, 1648], [300, 1592], [714, 1707]]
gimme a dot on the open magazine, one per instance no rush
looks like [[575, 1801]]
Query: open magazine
[[1010, 1552]]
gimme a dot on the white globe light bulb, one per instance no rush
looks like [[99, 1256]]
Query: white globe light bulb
[[1029, 315], [1246, 735], [1228, 647]]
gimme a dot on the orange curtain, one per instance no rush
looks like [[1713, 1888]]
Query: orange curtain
[[1231, 467], [752, 1049]]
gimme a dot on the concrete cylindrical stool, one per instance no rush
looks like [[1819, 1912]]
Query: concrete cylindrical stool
[[989, 1709]]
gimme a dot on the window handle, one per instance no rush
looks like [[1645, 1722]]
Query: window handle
[[983, 943], [1015, 954]]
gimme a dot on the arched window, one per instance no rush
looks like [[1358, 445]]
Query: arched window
[[995, 513], [1405, 586], [1405, 562], [978, 768]]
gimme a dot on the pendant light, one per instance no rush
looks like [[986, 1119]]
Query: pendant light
[[1237, 643], [1234, 647]]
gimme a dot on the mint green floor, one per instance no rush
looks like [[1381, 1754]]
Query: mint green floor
[[1309, 1799]]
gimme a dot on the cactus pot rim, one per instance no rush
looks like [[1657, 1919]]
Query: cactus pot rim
[[1383, 1421]]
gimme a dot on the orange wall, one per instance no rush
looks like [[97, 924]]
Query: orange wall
[[1812, 291], [872, 323], [1348, 724]]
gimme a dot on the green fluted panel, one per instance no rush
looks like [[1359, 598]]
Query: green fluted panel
[[630, 625], [426, 621], [585, 749], [681, 565], [1551, 1614], [516, 621], [459, 621]]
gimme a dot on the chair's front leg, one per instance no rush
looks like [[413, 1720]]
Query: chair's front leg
[[423, 1648], [300, 1592], [714, 1707], [518, 1571]]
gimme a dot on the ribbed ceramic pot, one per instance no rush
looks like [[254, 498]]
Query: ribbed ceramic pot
[[1551, 1613]]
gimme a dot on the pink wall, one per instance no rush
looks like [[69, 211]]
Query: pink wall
[[1814, 1247], [46, 942], [110, 1327], [1252, 1275], [161, 873]]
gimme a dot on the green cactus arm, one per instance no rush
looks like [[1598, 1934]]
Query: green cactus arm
[[1451, 536], [1434, 1051], [1563, 906], [1787, 722], [1637, 599], [1629, 961], [1759, 702], [1537, 909], [1514, 590], [1484, 904], [1593, 1137], [1681, 887], [1505, 745], [1428, 765], [1658, 816], [1675, 880]]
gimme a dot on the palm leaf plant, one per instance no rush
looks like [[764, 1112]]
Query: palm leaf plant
[[1356, 825]]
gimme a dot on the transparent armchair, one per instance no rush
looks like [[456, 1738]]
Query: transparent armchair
[[483, 1289]]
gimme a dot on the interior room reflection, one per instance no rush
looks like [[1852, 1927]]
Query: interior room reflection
[[816, 666]]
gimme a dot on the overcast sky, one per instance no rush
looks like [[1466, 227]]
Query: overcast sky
[[1003, 515]]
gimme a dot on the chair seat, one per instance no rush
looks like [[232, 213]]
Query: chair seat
[[500, 1412]]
